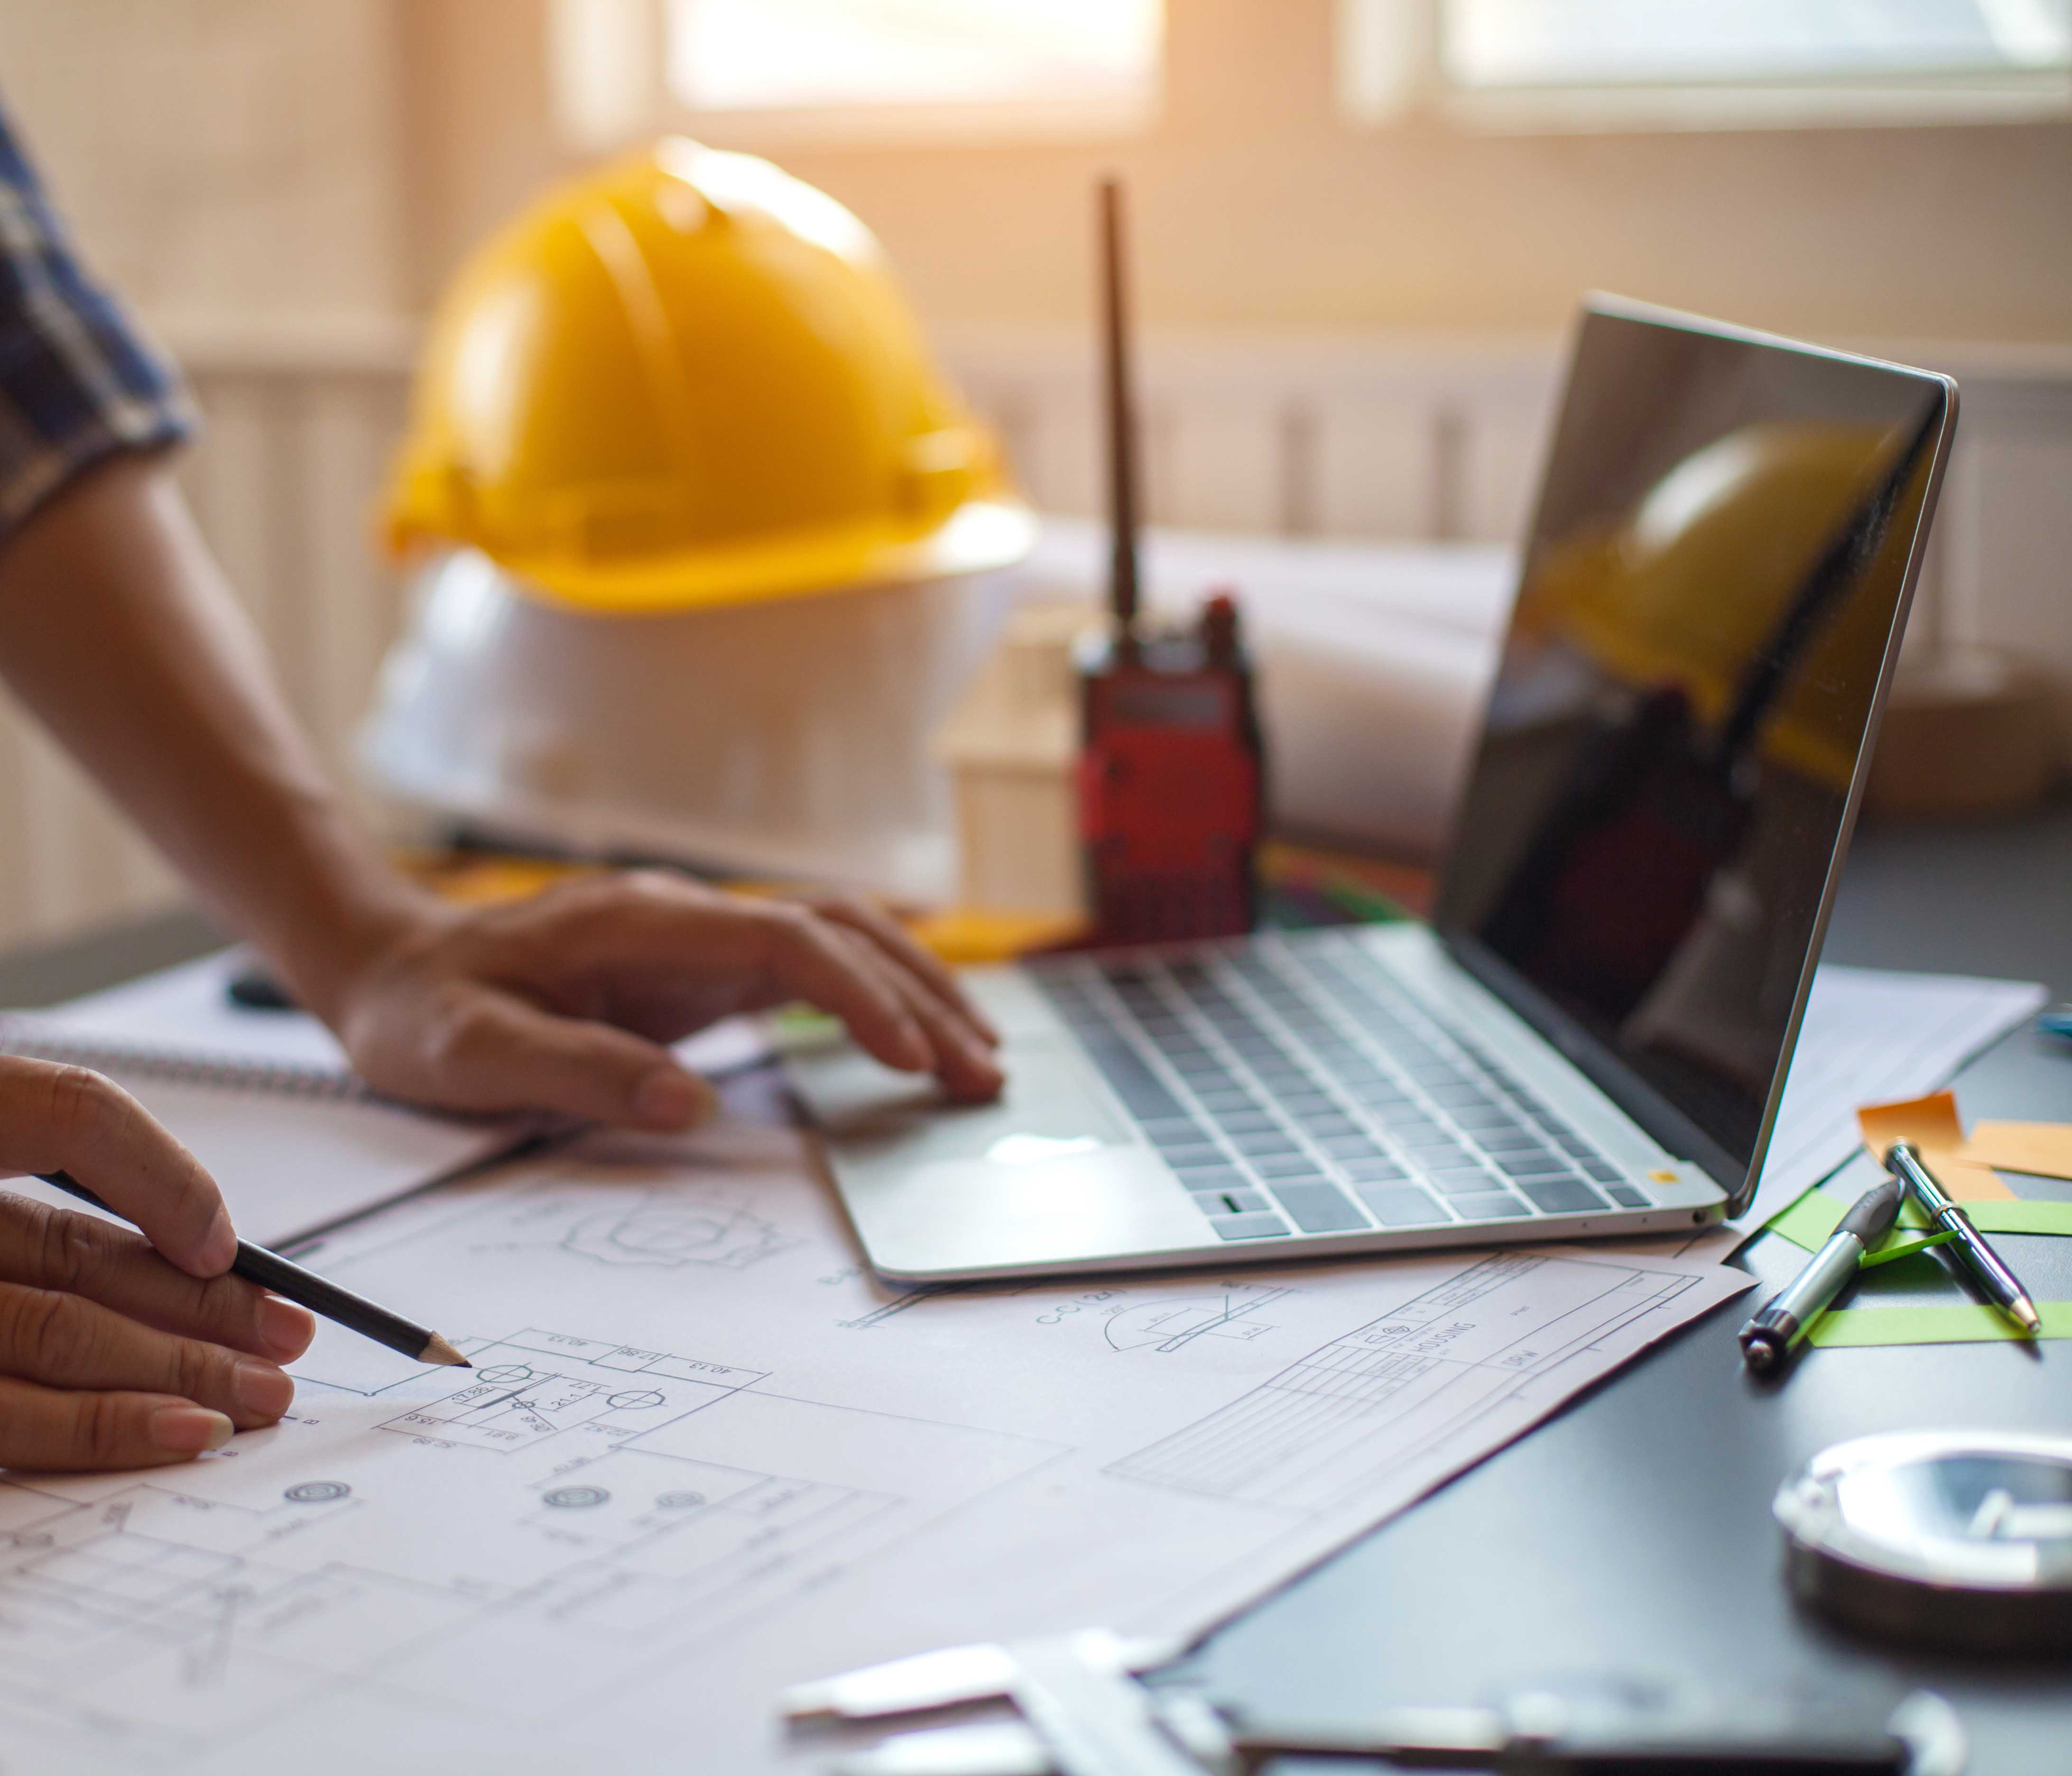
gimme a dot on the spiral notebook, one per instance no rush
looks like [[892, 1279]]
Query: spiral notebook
[[264, 1099], [268, 1102]]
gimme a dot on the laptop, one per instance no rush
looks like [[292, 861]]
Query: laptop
[[1590, 1036]]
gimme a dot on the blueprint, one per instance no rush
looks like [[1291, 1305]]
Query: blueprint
[[703, 1454]]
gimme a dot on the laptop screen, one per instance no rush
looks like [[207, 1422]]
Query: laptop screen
[[1712, 584]]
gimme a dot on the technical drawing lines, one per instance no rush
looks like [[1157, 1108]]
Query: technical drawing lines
[[1173, 1323], [534, 1385], [891, 1309], [1387, 1392], [718, 1225], [683, 1226]]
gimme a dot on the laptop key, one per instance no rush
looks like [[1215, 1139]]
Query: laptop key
[[1602, 1171], [1560, 1195], [1463, 1183], [1541, 1159], [1247, 1226], [1497, 1205], [1131, 1079], [1416, 1132], [1512, 1139], [1319, 1208], [1402, 1206], [1628, 1198], [1225, 1103], [1174, 1131], [1349, 1147], [1295, 1165], [1264, 1146], [1367, 1171], [1464, 1097], [1232, 1202], [1215, 1178], [1194, 1158]]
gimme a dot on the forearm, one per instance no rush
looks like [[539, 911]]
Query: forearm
[[117, 629]]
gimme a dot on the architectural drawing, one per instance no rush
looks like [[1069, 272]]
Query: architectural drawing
[[574, 1503], [608, 1552], [1398, 1385]]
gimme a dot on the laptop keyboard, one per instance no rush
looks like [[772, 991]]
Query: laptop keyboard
[[1294, 1085]]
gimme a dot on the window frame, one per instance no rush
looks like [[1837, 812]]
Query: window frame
[[625, 91], [1386, 56]]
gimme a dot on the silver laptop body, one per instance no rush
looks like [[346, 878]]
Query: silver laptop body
[[1592, 1035]]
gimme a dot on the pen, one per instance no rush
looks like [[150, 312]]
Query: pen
[[318, 1294], [1790, 1314], [1999, 1285]]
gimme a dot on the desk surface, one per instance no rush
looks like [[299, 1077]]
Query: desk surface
[[1633, 1532]]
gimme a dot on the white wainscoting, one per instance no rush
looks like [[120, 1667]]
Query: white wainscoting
[[1354, 435]]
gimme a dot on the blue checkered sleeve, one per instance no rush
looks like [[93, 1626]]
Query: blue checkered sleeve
[[77, 383]]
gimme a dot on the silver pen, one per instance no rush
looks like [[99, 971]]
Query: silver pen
[[1789, 1314], [1999, 1285]]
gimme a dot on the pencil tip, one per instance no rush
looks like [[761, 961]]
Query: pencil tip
[[438, 1351]]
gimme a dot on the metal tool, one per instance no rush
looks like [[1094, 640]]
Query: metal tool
[[1771, 1332], [1084, 1714], [1999, 1285], [1959, 1539]]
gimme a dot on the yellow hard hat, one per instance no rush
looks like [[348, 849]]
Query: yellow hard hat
[[689, 379], [1685, 590]]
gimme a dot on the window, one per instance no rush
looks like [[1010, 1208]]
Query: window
[[1707, 64], [748, 72]]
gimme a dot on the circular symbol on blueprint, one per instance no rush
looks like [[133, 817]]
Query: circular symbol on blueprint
[[636, 1401], [509, 1372], [680, 1501], [317, 1492], [577, 1497]]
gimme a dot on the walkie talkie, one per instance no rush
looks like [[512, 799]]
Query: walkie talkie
[[1171, 768]]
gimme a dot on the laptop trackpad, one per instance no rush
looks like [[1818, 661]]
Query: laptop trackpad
[[1052, 1107]]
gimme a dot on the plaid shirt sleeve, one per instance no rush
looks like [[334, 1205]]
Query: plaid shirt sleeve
[[77, 383]]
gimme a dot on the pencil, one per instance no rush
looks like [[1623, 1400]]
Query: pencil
[[320, 1295]]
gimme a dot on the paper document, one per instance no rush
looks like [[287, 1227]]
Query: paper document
[[267, 1101], [189, 1008], [1872, 1034], [703, 1455]]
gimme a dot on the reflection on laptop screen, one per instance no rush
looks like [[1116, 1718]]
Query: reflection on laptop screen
[[1712, 578]]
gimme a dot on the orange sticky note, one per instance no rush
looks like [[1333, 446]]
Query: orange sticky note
[[1931, 1124], [2042, 1148]]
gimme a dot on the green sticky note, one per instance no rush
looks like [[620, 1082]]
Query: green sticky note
[[1962, 1322], [1815, 1216], [2019, 1216], [1812, 1219]]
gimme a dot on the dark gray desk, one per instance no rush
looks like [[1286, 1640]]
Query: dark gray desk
[[1633, 1532]]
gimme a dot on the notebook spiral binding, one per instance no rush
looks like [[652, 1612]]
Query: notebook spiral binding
[[183, 1066]]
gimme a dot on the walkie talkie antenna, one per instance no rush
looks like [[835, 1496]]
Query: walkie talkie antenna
[[1121, 423]]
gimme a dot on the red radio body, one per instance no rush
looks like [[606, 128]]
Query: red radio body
[[1171, 787]]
